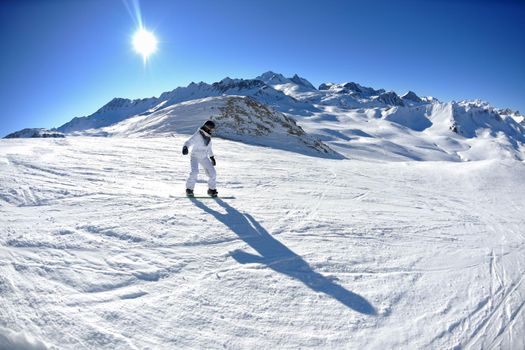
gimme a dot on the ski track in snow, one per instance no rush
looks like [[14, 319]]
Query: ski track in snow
[[312, 253]]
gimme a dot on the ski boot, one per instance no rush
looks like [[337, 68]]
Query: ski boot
[[189, 193], [212, 193]]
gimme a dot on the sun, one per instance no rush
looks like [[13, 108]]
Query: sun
[[144, 43]]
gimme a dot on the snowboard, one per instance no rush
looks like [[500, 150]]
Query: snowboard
[[210, 197], [203, 197]]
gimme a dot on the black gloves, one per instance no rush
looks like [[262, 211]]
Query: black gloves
[[213, 161]]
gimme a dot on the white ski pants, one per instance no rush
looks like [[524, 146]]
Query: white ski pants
[[208, 167]]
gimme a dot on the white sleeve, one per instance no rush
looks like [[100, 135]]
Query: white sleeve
[[210, 152], [189, 142]]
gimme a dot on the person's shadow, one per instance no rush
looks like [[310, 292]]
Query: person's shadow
[[280, 258]]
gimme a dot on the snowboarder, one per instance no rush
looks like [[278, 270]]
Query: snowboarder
[[201, 153]]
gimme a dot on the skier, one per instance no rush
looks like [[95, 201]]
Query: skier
[[201, 153]]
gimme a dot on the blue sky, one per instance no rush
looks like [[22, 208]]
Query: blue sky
[[66, 58]]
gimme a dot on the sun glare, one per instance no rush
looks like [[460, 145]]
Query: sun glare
[[144, 43]]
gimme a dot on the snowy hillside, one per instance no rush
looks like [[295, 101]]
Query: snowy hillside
[[99, 251], [113, 112], [238, 118], [438, 131]]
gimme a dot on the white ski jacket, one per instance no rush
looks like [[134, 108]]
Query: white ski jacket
[[198, 145]]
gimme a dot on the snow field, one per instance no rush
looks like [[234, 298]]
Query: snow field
[[97, 253]]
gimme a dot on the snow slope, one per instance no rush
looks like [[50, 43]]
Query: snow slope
[[97, 250], [238, 118], [454, 131], [120, 109], [114, 111]]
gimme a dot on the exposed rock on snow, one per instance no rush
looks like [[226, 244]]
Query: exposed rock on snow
[[272, 78], [472, 118], [351, 88], [279, 82], [238, 118], [361, 90], [254, 88], [35, 133], [227, 85], [390, 98], [513, 114], [296, 87], [302, 81], [325, 86], [245, 119], [411, 97]]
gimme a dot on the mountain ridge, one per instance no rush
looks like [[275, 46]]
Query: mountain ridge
[[340, 114]]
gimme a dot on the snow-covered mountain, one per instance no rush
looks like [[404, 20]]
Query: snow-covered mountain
[[514, 114], [254, 88], [113, 112], [355, 120], [238, 118], [411, 97], [290, 86], [351, 88]]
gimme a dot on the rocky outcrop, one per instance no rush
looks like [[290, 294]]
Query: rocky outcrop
[[35, 133]]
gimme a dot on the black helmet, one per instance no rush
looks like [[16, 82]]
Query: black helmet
[[209, 125]]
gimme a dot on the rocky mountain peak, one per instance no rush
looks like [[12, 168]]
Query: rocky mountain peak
[[412, 97]]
